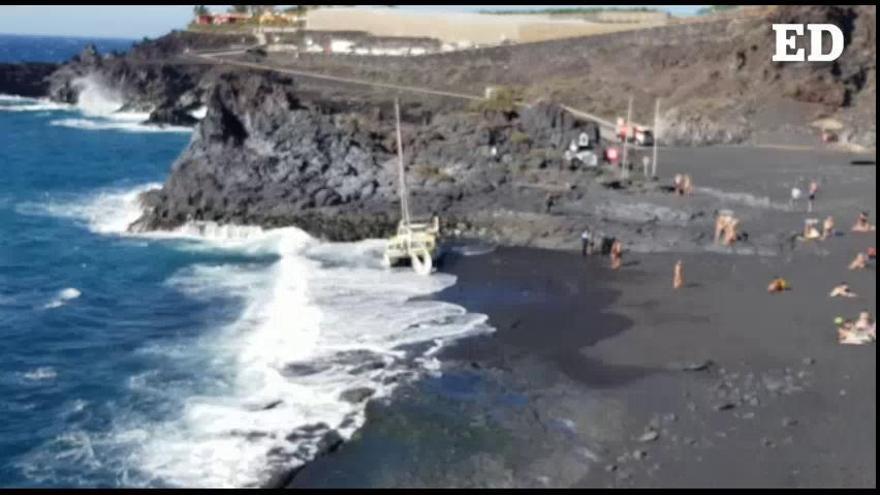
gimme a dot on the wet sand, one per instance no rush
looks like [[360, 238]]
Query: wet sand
[[600, 378]]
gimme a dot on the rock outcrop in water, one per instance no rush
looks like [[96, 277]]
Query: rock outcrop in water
[[152, 77], [26, 79]]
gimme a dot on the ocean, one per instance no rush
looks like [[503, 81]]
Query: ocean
[[31, 48], [209, 356]]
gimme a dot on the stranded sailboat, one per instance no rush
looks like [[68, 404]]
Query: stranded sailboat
[[415, 243]]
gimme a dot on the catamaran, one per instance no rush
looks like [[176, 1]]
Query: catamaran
[[416, 242]]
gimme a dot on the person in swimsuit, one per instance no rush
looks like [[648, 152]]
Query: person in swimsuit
[[810, 230], [616, 254], [678, 275], [862, 224], [828, 227], [778, 284], [730, 234], [814, 188], [860, 262]]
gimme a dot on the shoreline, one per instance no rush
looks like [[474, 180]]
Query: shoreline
[[612, 379]]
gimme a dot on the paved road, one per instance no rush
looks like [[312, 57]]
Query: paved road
[[214, 57]]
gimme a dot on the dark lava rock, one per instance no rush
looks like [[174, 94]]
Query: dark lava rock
[[331, 441], [356, 395], [694, 366], [26, 79], [169, 115]]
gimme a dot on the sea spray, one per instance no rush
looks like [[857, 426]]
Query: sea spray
[[95, 97]]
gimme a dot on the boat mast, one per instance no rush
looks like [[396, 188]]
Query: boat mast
[[404, 203], [623, 171]]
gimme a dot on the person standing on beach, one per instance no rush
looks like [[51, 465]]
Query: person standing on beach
[[616, 254], [586, 244], [678, 275], [814, 188]]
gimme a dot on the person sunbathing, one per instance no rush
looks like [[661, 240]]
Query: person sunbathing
[[810, 230], [845, 332], [863, 331], [828, 227], [778, 284], [866, 324], [842, 290], [860, 262], [862, 224]]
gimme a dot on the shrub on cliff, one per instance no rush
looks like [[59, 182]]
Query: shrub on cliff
[[504, 100]]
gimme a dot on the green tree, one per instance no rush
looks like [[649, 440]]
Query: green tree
[[259, 9], [200, 10], [712, 9], [238, 9]]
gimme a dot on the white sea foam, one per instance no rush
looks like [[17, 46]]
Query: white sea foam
[[98, 108], [62, 297], [199, 113], [109, 211], [41, 373], [747, 199], [13, 98], [22, 104], [95, 97], [123, 124], [319, 320]]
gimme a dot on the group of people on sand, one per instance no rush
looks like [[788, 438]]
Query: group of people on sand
[[863, 330], [588, 241]]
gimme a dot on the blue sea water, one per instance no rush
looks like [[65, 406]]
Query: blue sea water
[[184, 358], [28, 48]]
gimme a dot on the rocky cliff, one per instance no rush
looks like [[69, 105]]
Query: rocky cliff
[[264, 155]]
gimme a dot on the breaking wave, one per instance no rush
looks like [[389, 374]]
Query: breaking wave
[[283, 378]]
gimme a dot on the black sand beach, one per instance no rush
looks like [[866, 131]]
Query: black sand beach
[[599, 378]]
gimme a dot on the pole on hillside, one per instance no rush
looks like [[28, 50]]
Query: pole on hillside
[[404, 206], [628, 128], [656, 137]]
